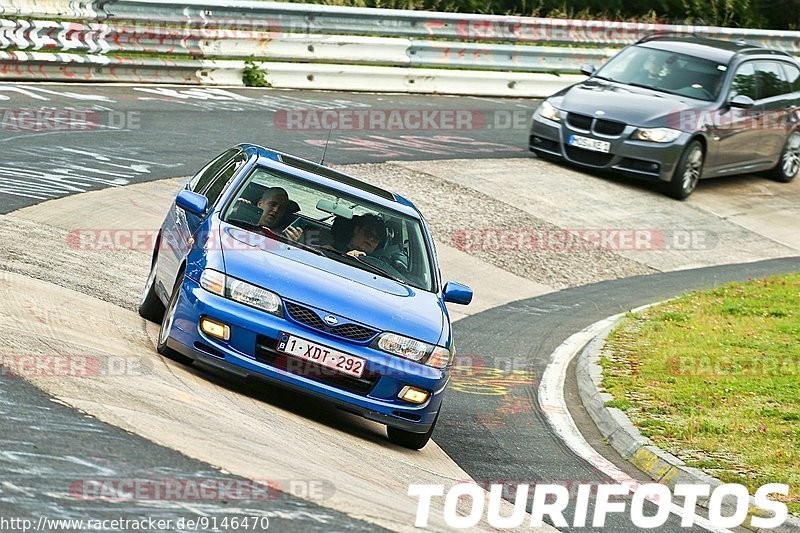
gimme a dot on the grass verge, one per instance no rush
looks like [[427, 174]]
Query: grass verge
[[714, 378]]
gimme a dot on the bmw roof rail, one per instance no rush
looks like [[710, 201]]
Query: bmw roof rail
[[660, 34], [755, 49]]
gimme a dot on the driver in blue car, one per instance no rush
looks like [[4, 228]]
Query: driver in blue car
[[362, 235]]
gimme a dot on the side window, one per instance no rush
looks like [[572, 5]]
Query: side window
[[792, 76], [744, 82], [218, 185], [201, 180], [770, 79]]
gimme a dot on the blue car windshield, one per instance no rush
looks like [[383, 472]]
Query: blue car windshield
[[665, 71], [341, 227]]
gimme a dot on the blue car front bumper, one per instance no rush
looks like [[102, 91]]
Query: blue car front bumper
[[250, 352]]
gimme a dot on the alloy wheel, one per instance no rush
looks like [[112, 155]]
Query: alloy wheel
[[691, 172], [149, 285], [169, 317], [791, 157]]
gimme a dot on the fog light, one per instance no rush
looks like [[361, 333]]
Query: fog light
[[215, 329], [413, 394]]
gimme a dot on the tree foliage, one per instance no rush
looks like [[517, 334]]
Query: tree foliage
[[772, 14]]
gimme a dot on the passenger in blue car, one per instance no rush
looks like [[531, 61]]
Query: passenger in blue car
[[275, 214], [359, 236], [273, 205]]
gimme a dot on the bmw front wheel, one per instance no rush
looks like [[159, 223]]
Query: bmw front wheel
[[687, 172]]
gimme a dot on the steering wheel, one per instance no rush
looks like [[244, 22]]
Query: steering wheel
[[707, 93], [387, 265], [692, 88]]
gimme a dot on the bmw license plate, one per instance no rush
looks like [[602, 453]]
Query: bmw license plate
[[316, 353], [587, 143]]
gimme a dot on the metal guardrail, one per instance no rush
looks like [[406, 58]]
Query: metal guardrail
[[315, 35], [33, 66], [314, 18], [102, 38]]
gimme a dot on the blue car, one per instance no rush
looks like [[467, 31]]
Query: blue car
[[274, 267]]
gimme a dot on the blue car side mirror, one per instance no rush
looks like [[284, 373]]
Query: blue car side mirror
[[456, 293], [192, 202]]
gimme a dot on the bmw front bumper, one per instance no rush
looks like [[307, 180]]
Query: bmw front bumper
[[639, 159]]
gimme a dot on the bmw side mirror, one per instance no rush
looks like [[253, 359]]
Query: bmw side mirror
[[588, 69], [741, 101], [456, 293], [192, 202]]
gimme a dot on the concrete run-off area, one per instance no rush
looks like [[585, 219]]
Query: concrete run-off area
[[512, 229]]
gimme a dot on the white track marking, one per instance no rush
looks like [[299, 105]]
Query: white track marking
[[551, 400]]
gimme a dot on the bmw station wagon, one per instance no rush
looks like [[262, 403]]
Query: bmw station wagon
[[274, 267], [676, 110]]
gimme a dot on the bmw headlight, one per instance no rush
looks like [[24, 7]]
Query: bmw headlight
[[241, 291], [549, 111], [656, 135], [415, 350]]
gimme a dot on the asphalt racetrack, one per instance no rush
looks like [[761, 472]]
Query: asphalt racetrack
[[491, 426]]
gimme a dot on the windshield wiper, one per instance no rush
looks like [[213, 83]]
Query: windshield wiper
[[373, 268], [651, 87]]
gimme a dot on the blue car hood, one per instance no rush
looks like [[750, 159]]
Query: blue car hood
[[631, 105], [331, 286]]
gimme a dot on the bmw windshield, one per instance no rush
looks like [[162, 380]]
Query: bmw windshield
[[344, 228], [666, 72]]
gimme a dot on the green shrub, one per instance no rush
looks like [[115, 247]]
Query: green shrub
[[253, 75]]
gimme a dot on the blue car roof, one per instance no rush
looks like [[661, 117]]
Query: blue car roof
[[332, 178]]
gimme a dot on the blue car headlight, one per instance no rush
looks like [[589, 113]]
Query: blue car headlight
[[241, 291], [414, 350]]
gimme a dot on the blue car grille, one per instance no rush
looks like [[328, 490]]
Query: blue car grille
[[310, 318]]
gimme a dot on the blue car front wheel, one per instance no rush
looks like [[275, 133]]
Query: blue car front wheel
[[150, 306], [167, 324], [407, 439]]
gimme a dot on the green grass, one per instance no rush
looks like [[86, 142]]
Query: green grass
[[714, 378]]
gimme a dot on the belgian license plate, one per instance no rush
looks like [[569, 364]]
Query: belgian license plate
[[587, 143], [323, 356]]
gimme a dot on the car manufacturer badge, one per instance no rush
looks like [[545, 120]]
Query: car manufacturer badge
[[598, 112], [330, 320]]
